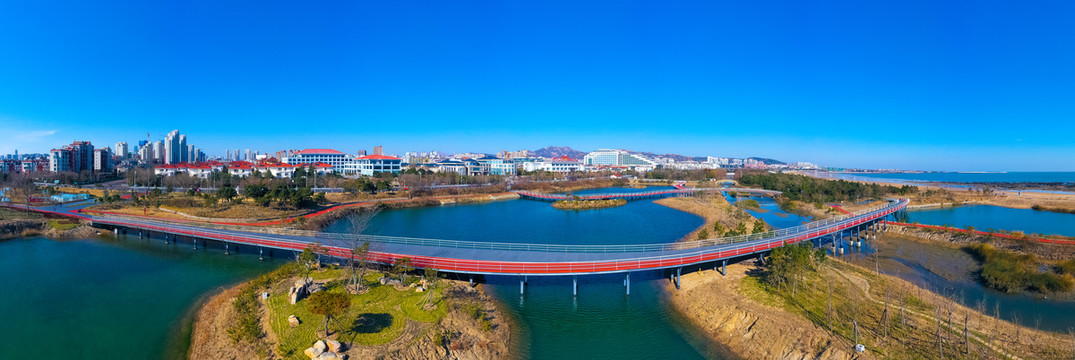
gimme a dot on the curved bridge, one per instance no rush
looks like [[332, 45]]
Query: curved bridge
[[473, 257], [642, 194]]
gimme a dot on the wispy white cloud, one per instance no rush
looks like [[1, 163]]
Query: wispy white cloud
[[26, 140]]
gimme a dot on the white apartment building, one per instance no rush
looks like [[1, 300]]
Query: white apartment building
[[337, 159]]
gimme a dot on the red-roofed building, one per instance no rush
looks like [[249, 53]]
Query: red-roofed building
[[333, 158], [278, 170], [241, 168]]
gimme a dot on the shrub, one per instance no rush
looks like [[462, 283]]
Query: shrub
[[1011, 272]]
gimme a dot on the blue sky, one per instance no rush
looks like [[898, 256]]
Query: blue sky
[[942, 85]]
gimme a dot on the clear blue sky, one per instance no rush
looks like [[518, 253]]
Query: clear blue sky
[[944, 85]]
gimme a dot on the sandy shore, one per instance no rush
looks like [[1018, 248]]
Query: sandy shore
[[210, 341], [712, 209]]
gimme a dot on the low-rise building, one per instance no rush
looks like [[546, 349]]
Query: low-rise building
[[331, 157], [372, 164], [451, 166], [559, 165], [613, 157]]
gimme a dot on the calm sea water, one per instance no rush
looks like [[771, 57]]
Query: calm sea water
[[959, 177], [602, 322], [107, 298], [1030, 310], [984, 217]]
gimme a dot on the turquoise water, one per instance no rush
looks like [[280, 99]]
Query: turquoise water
[[958, 177], [984, 217], [1031, 310], [602, 322], [107, 298]]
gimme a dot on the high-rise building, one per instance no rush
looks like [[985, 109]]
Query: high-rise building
[[59, 160], [121, 150], [102, 160], [248, 156], [175, 148], [145, 153], [158, 151], [74, 158], [378, 150]]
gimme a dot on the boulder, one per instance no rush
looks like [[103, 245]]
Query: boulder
[[293, 297], [313, 353], [419, 289], [320, 345], [334, 346], [329, 356], [293, 320]]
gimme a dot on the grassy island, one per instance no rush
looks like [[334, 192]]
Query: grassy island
[[396, 312], [588, 204]]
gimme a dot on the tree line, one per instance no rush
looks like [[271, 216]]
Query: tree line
[[814, 190]]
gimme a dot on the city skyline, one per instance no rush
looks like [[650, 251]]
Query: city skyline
[[905, 86]]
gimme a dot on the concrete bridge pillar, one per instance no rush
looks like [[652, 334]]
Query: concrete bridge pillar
[[261, 253], [627, 283], [574, 286], [195, 242], [724, 267], [679, 272], [522, 286], [227, 250]]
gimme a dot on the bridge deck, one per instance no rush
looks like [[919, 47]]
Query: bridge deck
[[640, 194], [507, 258]]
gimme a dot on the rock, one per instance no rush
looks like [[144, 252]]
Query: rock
[[329, 356], [313, 353], [293, 320], [419, 289], [320, 345], [334, 346], [293, 297]]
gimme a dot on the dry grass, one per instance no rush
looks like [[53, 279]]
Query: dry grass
[[713, 209], [858, 296]]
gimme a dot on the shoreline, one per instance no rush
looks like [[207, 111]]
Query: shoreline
[[712, 209], [208, 338]]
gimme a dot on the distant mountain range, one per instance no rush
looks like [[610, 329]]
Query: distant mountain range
[[558, 151]]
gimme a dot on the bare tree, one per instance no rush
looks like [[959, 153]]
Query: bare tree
[[903, 320], [884, 315], [966, 331], [940, 344], [360, 250], [828, 310]]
